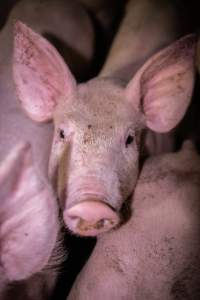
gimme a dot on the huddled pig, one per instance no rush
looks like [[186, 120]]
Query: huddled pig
[[100, 125], [29, 229], [32, 216], [156, 254]]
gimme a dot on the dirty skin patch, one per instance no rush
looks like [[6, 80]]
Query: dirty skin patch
[[182, 289], [85, 226]]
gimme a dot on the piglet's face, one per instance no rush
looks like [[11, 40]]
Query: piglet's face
[[95, 151], [98, 124]]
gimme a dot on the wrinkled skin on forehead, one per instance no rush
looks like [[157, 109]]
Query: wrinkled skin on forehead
[[96, 123]]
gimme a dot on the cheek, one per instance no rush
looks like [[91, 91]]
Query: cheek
[[62, 173]]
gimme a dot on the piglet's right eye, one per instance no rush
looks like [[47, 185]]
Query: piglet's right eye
[[62, 134]]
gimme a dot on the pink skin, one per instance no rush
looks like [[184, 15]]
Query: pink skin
[[62, 20], [39, 213], [99, 125], [155, 255], [27, 205]]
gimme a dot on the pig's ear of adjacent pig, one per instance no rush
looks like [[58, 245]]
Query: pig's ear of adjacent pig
[[41, 76], [162, 88], [28, 217]]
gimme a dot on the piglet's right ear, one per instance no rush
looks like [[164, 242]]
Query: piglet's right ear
[[41, 76]]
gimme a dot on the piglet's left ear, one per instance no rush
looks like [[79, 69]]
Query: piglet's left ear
[[163, 87], [41, 76]]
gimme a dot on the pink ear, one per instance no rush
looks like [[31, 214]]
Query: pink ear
[[163, 87], [28, 216], [40, 74]]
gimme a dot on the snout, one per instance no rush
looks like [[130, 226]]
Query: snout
[[90, 217]]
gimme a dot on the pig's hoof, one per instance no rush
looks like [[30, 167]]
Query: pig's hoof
[[90, 218]]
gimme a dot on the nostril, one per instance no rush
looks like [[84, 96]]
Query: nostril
[[90, 218]]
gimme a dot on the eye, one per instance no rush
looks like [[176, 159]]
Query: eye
[[62, 134], [129, 140]]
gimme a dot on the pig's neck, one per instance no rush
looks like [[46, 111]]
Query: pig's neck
[[147, 27]]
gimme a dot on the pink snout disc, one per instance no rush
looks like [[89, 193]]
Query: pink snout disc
[[90, 218]]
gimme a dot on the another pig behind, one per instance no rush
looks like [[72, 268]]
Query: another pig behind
[[156, 255], [29, 229], [65, 23]]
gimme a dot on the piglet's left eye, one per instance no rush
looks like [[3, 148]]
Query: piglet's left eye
[[62, 134], [129, 140]]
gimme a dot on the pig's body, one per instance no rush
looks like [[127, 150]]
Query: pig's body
[[156, 255], [29, 229]]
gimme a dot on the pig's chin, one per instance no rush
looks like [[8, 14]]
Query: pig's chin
[[91, 215]]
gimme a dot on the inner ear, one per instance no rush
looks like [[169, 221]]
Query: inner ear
[[162, 88], [41, 76]]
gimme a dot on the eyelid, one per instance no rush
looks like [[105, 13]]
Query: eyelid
[[62, 133], [131, 132], [67, 134]]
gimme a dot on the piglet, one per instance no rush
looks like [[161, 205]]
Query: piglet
[[100, 124], [29, 228], [58, 21], [156, 254]]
